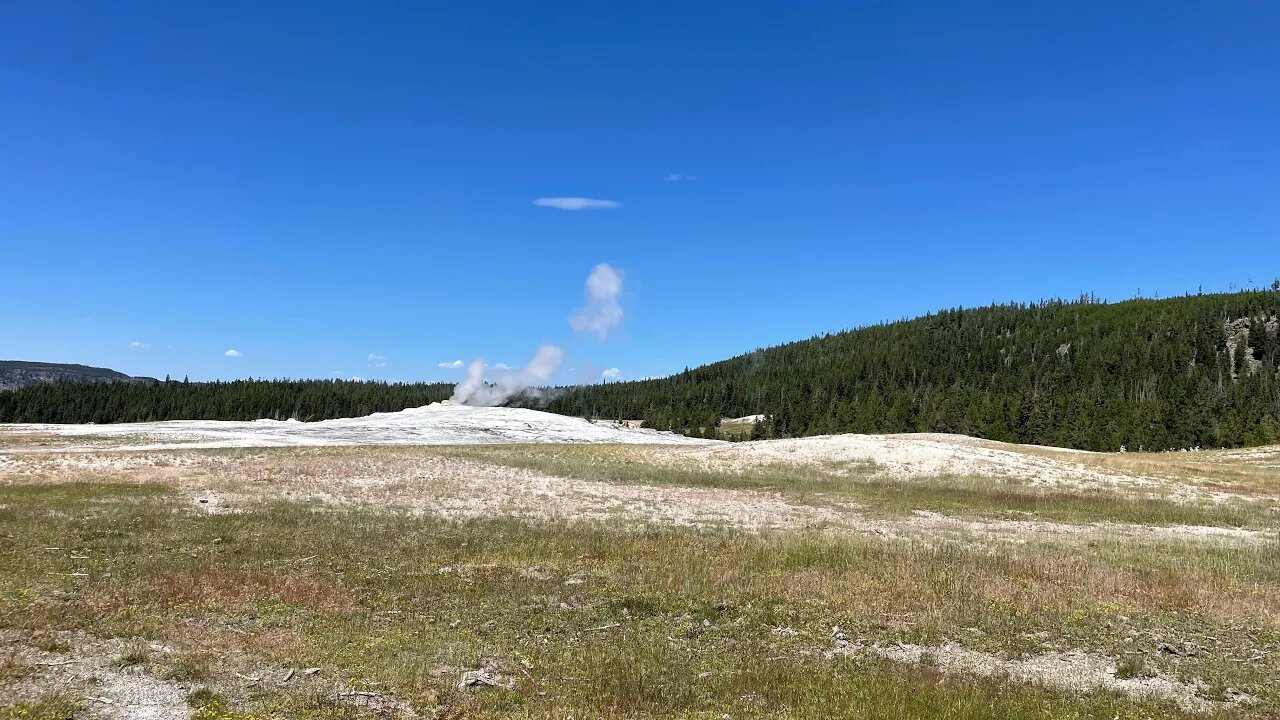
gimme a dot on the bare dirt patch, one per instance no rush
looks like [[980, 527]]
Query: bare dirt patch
[[98, 674]]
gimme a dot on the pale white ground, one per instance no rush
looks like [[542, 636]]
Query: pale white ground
[[423, 481], [899, 456], [918, 455], [462, 488], [922, 455], [1074, 671], [442, 423], [445, 423]]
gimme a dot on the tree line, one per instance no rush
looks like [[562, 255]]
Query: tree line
[[113, 402], [1195, 371]]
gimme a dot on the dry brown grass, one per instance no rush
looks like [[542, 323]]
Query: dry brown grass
[[11, 439], [216, 586], [1250, 472]]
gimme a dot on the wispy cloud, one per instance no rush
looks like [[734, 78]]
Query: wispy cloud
[[233, 353], [679, 177], [139, 345], [501, 366], [611, 374], [576, 203], [377, 361], [602, 310], [451, 365]]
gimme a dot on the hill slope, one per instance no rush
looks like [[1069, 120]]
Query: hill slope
[[1156, 374], [16, 374]]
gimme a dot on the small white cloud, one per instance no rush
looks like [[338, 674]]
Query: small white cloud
[[611, 374], [139, 345], [679, 177], [501, 366], [377, 361], [357, 378], [233, 353], [602, 310], [576, 203], [451, 365]]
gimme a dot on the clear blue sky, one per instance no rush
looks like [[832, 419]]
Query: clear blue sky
[[312, 182]]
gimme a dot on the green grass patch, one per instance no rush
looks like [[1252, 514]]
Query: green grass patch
[[49, 707], [607, 621]]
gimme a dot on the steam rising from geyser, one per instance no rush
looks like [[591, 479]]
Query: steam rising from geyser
[[601, 313], [473, 390]]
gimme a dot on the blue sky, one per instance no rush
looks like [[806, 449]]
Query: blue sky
[[310, 183]]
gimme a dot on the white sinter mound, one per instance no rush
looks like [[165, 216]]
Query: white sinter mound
[[442, 423]]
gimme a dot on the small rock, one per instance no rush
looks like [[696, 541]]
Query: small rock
[[486, 678], [310, 671], [1237, 696], [784, 632]]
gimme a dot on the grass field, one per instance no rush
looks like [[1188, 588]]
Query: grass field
[[303, 609]]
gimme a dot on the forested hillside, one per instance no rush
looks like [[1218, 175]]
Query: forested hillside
[[1153, 374], [16, 374], [81, 402]]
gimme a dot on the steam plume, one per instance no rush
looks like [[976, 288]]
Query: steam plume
[[602, 310], [599, 314], [474, 390]]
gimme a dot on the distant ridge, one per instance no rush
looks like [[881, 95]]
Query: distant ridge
[[16, 374]]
